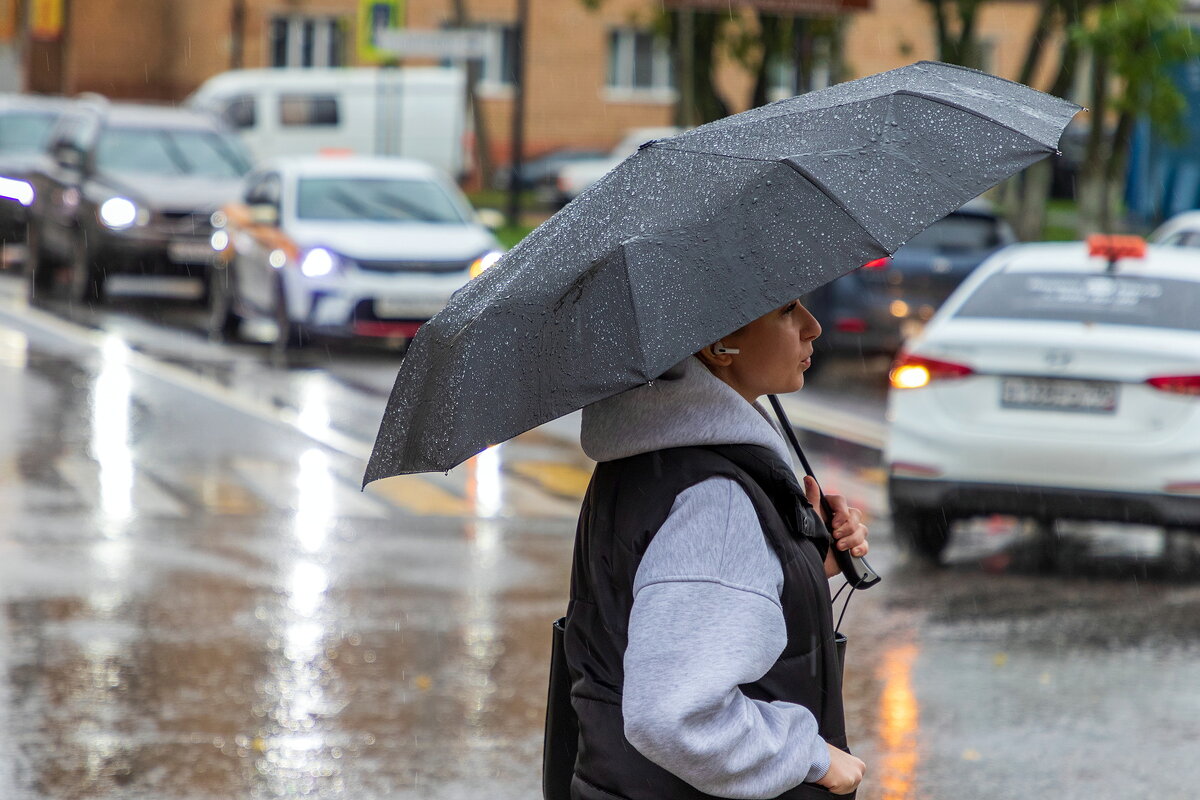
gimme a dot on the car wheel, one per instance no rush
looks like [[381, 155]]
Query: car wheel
[[287, 332], [86, 279], [923, 532], [39, 267], [224, 324]]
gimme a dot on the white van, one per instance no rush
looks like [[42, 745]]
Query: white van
[[415, 112]]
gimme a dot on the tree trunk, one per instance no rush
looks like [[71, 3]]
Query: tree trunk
[[943, 33], [1114, 169], [483, 150], [1037, 41], [769, 34], [1029, 215], [1092, 171], [967, 48]]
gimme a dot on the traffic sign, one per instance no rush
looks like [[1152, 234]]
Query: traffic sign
[[451, 44]]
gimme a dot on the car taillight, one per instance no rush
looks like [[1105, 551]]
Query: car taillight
[[1177, 384], [913, 372], [851, 325], [878, 263]]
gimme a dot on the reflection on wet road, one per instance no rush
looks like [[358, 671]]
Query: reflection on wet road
[[197, 602]]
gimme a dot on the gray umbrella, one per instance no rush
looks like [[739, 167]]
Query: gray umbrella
[[696, 235]]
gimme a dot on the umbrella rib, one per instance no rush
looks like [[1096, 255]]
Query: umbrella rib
[[715, 155], [825, 190], [992, 120], [802, 172]]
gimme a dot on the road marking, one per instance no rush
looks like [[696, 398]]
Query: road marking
[[414, 493], [223, 497], [563, 480], [126, 490], [307, 487], [183, 378]]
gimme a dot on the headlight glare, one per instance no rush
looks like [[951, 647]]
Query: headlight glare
[[318, 263], [484, 261], [18, 190], [118, 213]]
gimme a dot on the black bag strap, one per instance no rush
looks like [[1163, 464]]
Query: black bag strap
[[560, 747]]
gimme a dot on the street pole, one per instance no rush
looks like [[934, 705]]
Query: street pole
[[518, 113], [237, 34], [687, 69]]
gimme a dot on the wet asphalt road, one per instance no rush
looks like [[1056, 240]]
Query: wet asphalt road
[[198, 603]]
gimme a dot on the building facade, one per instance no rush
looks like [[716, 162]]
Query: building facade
[[594, 70]]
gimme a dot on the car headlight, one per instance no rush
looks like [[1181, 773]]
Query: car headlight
[[118, 213], [18, 190], [484, 261], [319, 262]]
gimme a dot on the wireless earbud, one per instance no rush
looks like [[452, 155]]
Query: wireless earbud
[[719, 349]]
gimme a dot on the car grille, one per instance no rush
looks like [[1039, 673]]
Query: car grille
[[413, 266], [188, 223]]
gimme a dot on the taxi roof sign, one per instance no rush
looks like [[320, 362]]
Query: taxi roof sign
[[1114, 248]]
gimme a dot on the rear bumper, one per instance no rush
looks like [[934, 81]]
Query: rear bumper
[[971, 499]]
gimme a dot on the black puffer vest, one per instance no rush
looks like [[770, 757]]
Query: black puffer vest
[[626, 503]]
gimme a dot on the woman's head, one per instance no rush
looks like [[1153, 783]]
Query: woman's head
[[772, 353]]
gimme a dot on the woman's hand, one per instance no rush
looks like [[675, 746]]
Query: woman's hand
[[845, 771], [849, 528]]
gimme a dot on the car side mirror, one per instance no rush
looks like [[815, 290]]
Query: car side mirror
[[264, 214], [68, 156], [490, 217]]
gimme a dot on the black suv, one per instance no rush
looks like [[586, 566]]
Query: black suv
[[25, 124], [129, 189]]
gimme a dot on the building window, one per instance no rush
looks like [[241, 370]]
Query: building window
[[298, 41], [307, 109], [638, 61], [499, 64]]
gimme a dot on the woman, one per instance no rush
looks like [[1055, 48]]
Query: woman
[[699, 634]]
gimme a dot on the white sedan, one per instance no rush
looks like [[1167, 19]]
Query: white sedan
[[1060, 381], [340, 246]]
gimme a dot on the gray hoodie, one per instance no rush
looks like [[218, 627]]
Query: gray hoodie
[[706, 613]]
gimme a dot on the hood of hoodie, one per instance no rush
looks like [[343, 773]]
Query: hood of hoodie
[[684, 407]]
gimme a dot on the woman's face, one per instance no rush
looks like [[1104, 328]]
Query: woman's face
[[775, 350]]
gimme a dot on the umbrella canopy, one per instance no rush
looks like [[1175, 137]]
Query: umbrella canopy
[[696, 235]]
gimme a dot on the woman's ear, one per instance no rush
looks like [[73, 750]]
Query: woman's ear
[[716, 355]]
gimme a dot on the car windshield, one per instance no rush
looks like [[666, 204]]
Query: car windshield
[[959, 232], [25, 131], [170, 152], [375, 200], [1098, 299]]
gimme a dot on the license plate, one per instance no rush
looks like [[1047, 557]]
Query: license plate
[[190, 252], [1051, 394], [388, 308]]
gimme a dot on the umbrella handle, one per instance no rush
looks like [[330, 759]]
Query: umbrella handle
[[857, 572]]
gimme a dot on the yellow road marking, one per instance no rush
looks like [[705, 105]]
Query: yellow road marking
[[419, 496], [225, 498], [564, 480]]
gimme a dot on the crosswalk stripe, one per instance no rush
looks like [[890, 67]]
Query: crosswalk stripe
[[310, 487], [417, 495], [118, 488]]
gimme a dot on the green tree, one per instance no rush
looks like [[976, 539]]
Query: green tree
[[1132, 44], [1024, 197]]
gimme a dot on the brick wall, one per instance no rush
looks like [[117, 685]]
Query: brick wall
[[163, 49]]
